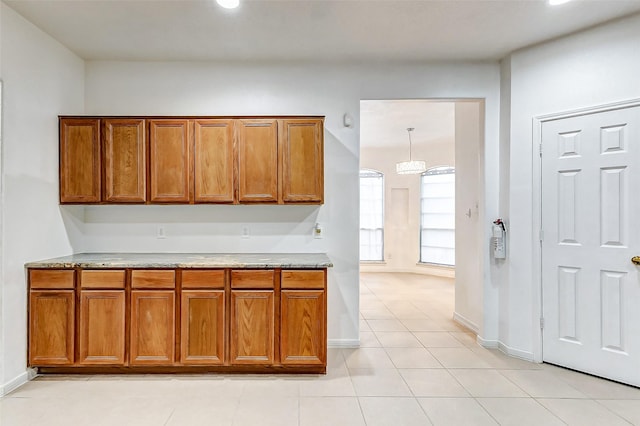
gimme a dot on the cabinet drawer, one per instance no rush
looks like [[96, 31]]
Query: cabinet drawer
[[153, 278], [252, 279], [203, 278], [102, 279], [303, 279], [56, 278]]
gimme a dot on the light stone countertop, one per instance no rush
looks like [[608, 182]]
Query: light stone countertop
[[186, 260]]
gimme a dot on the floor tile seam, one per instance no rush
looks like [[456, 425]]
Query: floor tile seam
[[599, 401], [486, 410], [532, 395], [512, 382], [170, 416], [582, 399], [540, 404]]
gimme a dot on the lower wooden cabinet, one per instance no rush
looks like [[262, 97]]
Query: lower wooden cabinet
[[152, 327], [237, 320], [102, 327], [51, 327], [202, 327], [252, 327], [303, 331]]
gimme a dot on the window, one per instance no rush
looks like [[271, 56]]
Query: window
[[437, 216], [371, 215]]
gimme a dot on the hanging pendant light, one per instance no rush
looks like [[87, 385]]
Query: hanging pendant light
[[410, 167]]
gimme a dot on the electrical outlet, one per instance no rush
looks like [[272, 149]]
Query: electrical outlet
[[318, 231], [246, 232], [161, 233]]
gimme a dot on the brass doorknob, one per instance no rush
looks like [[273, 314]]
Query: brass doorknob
[[635, 260]]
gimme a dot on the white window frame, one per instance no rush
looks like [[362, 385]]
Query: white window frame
[[376, 232], [447, 218]]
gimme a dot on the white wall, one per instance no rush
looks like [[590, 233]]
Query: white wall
[[469, 187], [592, 68], [219, 89], [402, 204], [41, 80]]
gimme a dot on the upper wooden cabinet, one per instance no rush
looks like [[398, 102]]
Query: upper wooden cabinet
[[301, 153], [258, 161], [124, 160], [213, 161], [169, 161], [80, 160], [186, 160]]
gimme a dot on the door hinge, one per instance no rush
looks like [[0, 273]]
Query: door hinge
[[541, 323], [541, 235], [540, 149]]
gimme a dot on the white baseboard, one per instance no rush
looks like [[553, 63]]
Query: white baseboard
[[465, 322], [343, 343], [516, 353], [14, 384]]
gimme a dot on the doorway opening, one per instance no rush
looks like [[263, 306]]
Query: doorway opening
[[425, 222]]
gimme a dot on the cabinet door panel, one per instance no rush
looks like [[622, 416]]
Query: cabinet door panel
[[213, 154], [124, 157], [252, 327], [303, 334], [102, 327], [51, 327], [257, 161], [169, 162], [152, 327], [202, 327], [80, 160], [302, 161]]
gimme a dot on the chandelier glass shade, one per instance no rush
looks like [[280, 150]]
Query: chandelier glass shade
[[412, 166]]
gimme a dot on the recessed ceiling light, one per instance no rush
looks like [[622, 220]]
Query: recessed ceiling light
[[229, 4], [557, 2]]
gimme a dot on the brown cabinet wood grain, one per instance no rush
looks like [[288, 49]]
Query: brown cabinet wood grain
[[303, 330], [203, 278], [97, 278], [80, 180], [51, 278], [51, 327], [303, 279], [252, 327], [252, 279], [202, 327], [102, 327], [257, 160], [124, 159], [153, 278], [170, 161], [213, 161], [152, 327], [301, 153]]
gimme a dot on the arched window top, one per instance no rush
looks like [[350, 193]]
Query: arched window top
[[370, 173], [439, 170]]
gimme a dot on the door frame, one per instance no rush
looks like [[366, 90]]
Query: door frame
[[536, 149]]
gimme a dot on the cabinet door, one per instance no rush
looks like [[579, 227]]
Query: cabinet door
[[202, 334], [124, 157], [213, 166], [102, 327], [169, 161], [252, 319], [302, 156], [303, 338], [257, 161], [79, 160], [51, 327], [152, 327]]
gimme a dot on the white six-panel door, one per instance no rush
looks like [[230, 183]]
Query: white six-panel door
[[591, 230]]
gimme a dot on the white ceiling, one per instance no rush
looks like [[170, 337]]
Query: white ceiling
[[384, 123], [321, 31], [311, 30]]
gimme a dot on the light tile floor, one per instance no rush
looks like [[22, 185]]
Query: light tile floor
[[415, 367]]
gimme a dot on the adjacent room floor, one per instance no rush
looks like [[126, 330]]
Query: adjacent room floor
[[415, 366]]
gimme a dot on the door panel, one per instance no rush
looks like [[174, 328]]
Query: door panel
[[302, 161], [80, 160], [202, 327], [591, 290], [213, 154], [152, 327], [169, 163], [252, 327], [51, 327], [101, 331], [257, 160], [125, 161], [303, 334]]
